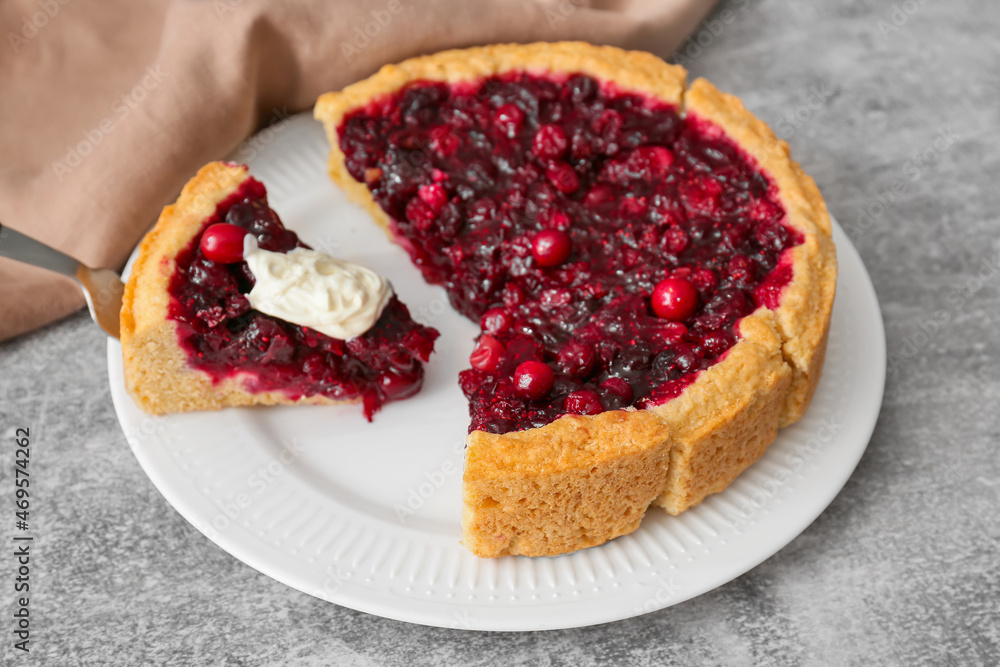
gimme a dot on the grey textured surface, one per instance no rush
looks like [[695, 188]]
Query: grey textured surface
[[903, 568]]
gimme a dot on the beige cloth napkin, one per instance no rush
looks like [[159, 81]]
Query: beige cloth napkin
[[107, 108]]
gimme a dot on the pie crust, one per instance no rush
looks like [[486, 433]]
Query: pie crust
[[582, 480]]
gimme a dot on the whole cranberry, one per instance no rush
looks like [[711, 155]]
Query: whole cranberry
[[608, 125], [533, 380], [700, 195], [650, 162], [562, 176], [620, 388], [632, 207], [420, 213], [443, 141], [223, 243], [549, 142], [704, 279], [551, 247], [763, 211], [584, 402], [394, 385], [599, 194], [513, 295], [717, 342], [577, 359], [508, 119], [488, 354], [674, 299], [670, 332], [556, 219], [469, 382], [434, 194], [675, 240], [686, 358], [495, 320]]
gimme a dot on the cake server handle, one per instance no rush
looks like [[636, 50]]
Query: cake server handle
[[102, 288], [17, 246]]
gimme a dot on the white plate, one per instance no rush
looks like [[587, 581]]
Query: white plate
[[368, 515]]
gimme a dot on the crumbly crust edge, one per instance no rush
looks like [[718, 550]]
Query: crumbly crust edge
[[803, 316], [602, 471]]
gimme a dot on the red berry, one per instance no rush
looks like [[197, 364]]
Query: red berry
[[651, 162], [675, 240], [704, 280], [434, 195], [577, 359], [632, 207], [620, 388], [420, 213], [223, 243], [533, 380], [495, 320], [584, 402], [443, 141], [488, 354], [549, 142], [630, 257], [717, 342], [513, 295], [601, 193], [700, 195], [562, 176], [674, 298], [555, 218], [608, 125], [670, 333], [762, 210], [395, 385], [469, 382], [551, 247], [508, 119]]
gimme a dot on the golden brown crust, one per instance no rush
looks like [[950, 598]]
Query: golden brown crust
[[597, 474], [725, 420], [157, 374], [803, 316], [581, 481]]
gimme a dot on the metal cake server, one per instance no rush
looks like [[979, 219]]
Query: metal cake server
[[103, 288]]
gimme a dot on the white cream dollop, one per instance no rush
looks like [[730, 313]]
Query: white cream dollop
[[309, 288]]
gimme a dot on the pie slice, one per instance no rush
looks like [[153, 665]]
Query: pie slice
[[191, 340], [653, 274]]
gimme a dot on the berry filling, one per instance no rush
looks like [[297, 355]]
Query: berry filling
[[607, 246], [223, 336]]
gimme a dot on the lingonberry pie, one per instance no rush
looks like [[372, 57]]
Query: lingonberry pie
[[652, 273], [192, 339]]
